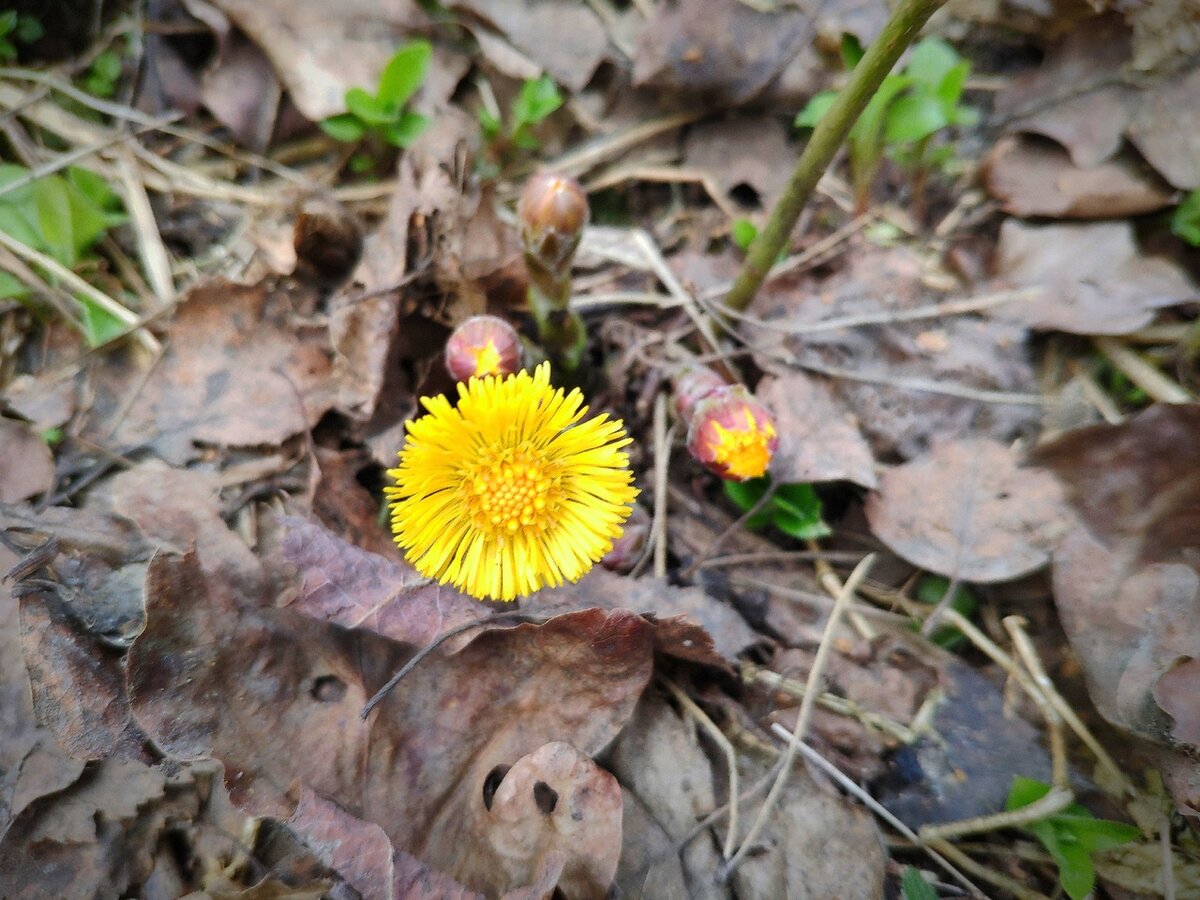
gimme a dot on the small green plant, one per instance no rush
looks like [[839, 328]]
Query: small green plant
[[382, 115], [537, 99], [914, 886], [62, 216], [102, 75], [17, 29], [930, 590], [743, 232], [904, 116], [1071, 836], [1185, 221], [795, 509]]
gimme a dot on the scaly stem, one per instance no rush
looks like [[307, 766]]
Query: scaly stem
[[827, 137], [561, 331]]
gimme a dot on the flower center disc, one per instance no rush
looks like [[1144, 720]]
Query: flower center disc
[[507, 490]]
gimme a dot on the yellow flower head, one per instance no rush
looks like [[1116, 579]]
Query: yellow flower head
[[733, 434], [509, 490]]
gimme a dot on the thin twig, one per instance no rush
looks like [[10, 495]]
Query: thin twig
[[1141, 373], [730, 759], [806, 707], [733, 527], [662, 460]]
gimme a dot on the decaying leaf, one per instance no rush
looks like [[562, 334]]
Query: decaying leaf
[[1089, 279], [1032, 178], [26, 464], [234, 375], [1127, 578], [817, 441], [1166, 129], [968, 510]]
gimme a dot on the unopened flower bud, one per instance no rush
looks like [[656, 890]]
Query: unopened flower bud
[[691, 387], [732, 434], [628, 548], [552, 212], [483, 345]]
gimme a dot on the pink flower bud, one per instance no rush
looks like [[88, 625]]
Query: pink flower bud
[[627, 549], [552, 212], [732, 434], [691, 387], [483, 345]]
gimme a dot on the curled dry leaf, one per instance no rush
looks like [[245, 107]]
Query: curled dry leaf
[[1035, 178], [1127, 578], [818, 441], [967, 509], [1089, 279]]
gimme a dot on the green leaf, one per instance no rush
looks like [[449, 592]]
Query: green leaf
[[8, 22], [743, 232], [488, 123], [930, 590], [745, 494], [345, 127], [88, 221], [914, 886], [99, 325], [1025, 791], [1185, 221], [369, 109], [851, 49], [537, 99], [12, 288], [29, 30], [797, 512], [914, 117], [1096, 835], [404, 73], [950, 88], [55, 220], [405, 130], [816, 107], [1075, 870], [931, 61]]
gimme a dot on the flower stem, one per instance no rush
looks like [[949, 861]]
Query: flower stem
[[827, 137], [561, 331]]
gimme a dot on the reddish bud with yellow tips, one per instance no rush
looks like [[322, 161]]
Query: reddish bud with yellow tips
[[629, 547], [483, 345], [733, 435]]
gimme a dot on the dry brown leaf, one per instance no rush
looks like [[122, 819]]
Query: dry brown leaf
[[1127, 579], [347, 508], [963, 351], [817, 441], [967, 509], [31, 762], [239, 370], [1036, 178], [566, 38], [26, 463], [453, 720], [359, 851], [1090, 279], [743, 152], [1166, 129]]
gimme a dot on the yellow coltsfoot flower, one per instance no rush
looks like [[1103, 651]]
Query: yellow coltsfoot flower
[[510, 490]]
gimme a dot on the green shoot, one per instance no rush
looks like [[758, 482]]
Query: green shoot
[[534, 103], [1071, 836], [930, 590], [914, 886], [795, 509], [383, 115], [1185, 221], [17, 29], [908, 111], [102, 76], [62, 216]]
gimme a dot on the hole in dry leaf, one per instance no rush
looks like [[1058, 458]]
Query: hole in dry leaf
[[745, 196], [545, 797], [491, 784], [328, 689]]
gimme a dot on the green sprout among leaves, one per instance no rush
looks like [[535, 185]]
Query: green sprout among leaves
[[914, 886], [17, 29], [1185, 221], [1071, 836], [795, 509], [537, 99], [904, 116], [62, 216], [383, 115], [930, 591], [102, 76]]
